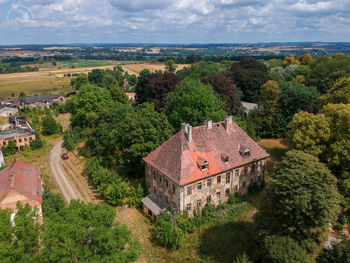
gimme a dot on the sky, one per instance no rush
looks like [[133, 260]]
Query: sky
[[171, 21]]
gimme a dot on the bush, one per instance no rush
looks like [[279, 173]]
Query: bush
[[339, 254], [254, 188], [71, 140], [10, 149], [52, 203], [171, 236], [50, 125], [236, 198], [37, 143], [283, 249]]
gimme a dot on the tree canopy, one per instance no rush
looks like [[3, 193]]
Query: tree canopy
[[194, 102], [227, 91], [302, 200], [155, 87], [249, 75], [87, 233]]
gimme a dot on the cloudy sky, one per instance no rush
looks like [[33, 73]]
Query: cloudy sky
[[172, 21]]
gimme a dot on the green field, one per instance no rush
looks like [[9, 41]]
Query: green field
[[80, 63]]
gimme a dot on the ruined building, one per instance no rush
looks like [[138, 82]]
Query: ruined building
[[200, 165]]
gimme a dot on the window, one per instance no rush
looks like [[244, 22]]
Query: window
[[160, 194], [228, 177], [199, 186], [20, 140], [260, 165], [245, 171], [244, 184], [160, 178], [173, 186], [246, 153], [189, 207], [218, 195], [166, 183], [174, 206], [4, 143], [189, 190], [251, 181], [237, 172], [155, 190], [205, 166], [259, 179], [208, 199], [30, 138], [219, 179], [167, 199], [25, 139], [199, 203], [209, 183], [227, 192], [236, 187], [154, 175]]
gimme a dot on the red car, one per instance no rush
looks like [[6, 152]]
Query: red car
[[65, 156]]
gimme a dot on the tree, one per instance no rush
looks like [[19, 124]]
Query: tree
[[22, 94], [340, 253], [96, 77], [49, 125], [52, 203], [194, 102], [83, 105], [243, 259], [199, 70], [296, 97], [339, 93], [283, 249], [290, 60], [309, 133], [170, 66], [70, 139], [10, 149], [86, 233], [19, 241], [302, 200], [155, 87], [227, 91], [305, 59], [249, 74], [37, 143], [269, 100]]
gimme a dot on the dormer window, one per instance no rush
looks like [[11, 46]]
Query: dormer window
[[202, 163], [244, 151], [224, 157]]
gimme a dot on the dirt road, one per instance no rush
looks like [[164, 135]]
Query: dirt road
[[58, 172]]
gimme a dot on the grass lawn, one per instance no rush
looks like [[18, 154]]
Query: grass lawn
[[81, 63]]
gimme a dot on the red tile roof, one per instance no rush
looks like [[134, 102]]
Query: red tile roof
[[177, 157], [22, 177]]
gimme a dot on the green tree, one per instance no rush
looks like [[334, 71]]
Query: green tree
[[84, 105], [302, 200], [10, 149], [309, 132], [194, 102], [340, 253], [249, 75], [305, 59], [52, 203], [243, 259], [87, 233], [70, 139], [339, 93], [290, 60], [37, 143], [269, 100], [19, 242], [49, 125], [283, 249], [170, 65], [199, 70], [22, 94]]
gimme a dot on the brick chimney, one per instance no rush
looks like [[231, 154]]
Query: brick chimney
[[208, 124], [228, 122]]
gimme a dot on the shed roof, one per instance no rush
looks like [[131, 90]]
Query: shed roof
[[153, 203]]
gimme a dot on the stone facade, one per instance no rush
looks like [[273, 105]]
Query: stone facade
[[214, 189], [21, 137]]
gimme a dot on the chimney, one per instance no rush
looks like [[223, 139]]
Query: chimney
[[189, 133], [228, 122], [208, 124], [183, 127]]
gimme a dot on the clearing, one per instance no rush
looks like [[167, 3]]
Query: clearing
[[276, 148]]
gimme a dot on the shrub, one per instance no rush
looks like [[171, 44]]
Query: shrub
[[50, 126], [10, 149], [51, 203], [71, 139], [254, 188], [37, 143]]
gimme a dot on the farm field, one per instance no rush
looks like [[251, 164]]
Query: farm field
[[52, 81]]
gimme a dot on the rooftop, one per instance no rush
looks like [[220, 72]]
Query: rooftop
[[42, 98], [7, 134], [156, 205], [22, 177], [212, 149]]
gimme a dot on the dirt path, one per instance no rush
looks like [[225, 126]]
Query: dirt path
[[140, 228], [58, 172]]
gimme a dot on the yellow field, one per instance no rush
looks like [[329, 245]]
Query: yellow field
[[53, 81]]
